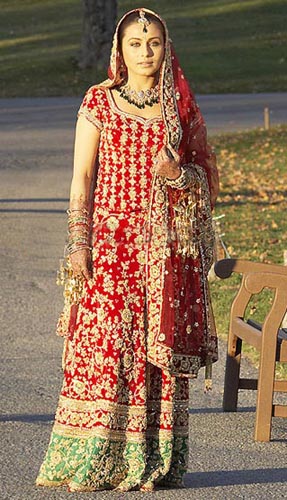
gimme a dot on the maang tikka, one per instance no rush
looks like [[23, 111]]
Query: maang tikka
[[143, 20]]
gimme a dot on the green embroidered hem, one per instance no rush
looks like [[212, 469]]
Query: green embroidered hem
[[96, 463]]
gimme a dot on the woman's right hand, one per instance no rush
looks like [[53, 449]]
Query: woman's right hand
[[81, 262], [86, 147]]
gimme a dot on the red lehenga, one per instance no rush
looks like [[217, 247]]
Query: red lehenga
[[144, 322]]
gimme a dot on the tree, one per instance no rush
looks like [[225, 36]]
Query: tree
[[98, 28]]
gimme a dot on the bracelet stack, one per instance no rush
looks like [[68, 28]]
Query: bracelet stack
[[78, 229], [183, 181]]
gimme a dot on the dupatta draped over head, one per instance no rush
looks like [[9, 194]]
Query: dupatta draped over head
[[179, 234]]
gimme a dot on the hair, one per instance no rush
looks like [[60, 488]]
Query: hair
[[133, 18]]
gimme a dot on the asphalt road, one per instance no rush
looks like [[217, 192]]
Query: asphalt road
[[35, 163], [223, 112]]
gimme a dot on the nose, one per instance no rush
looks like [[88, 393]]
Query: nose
[[147, 50]]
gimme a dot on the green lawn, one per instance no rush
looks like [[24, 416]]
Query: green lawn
[[253, 198], [224, 45]]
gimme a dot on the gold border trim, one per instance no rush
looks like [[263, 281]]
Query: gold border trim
[[100, 432], [102, 404], [99, 404], [41, 481]]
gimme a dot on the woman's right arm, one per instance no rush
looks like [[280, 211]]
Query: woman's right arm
[[85, 152]]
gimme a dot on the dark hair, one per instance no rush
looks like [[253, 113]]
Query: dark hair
[[133, 18]]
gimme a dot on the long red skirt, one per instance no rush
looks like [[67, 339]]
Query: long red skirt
[[121, 422]]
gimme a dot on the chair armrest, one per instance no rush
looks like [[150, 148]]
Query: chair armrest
[[225, 267]]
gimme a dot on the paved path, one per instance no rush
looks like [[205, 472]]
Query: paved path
[[223, 113], [35, 164], [234, 112]]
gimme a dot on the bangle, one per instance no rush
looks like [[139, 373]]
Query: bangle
[[84, 211], [72, 248], [78, 229]]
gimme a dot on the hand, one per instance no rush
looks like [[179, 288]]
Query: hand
[[167, 166], [81, 262]]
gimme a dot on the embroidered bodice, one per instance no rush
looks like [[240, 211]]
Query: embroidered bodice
[[127, 149]]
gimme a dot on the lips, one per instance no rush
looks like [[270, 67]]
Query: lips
[[145, 63]]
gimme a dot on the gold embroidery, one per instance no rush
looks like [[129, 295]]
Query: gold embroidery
[[101, 432], [92, 406]]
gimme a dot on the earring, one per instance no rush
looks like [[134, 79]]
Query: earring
[[122, 67]]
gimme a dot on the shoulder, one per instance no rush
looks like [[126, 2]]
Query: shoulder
[[95, 96], [94, 106]]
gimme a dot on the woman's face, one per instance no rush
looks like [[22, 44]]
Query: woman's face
[[143, 52]]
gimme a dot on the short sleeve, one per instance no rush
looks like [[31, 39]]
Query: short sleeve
[[93, 105]]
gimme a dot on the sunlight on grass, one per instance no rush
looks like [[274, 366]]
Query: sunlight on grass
[[224, 7], [253, 197], [224, 46], [26, 39]]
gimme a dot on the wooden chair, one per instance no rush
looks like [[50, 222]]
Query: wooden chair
[[269, 339]]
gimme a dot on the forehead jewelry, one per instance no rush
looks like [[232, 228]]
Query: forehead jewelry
[[143, 20]]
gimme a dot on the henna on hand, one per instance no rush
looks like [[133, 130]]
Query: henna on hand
[[167, 163], [81, 262]]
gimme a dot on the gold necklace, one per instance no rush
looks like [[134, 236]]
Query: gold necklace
[[140, 98]]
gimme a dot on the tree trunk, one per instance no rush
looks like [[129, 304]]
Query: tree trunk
[[98, 28]]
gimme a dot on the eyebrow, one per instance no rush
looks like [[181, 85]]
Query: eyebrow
[[135, 38]]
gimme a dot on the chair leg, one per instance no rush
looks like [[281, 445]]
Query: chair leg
[[232, 370], [265, 395]]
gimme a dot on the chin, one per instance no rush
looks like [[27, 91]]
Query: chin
[[147, 72]]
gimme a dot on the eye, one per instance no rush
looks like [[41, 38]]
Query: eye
[[155, 44], [135, 44]]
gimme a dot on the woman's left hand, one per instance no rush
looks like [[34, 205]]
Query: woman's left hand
[[165, 165]]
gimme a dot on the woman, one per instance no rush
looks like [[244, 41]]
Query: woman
[[139, 323]]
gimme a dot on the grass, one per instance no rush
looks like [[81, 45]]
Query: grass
[[253, 198], [224, 45]]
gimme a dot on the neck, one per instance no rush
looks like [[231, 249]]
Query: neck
[[141, 83]]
